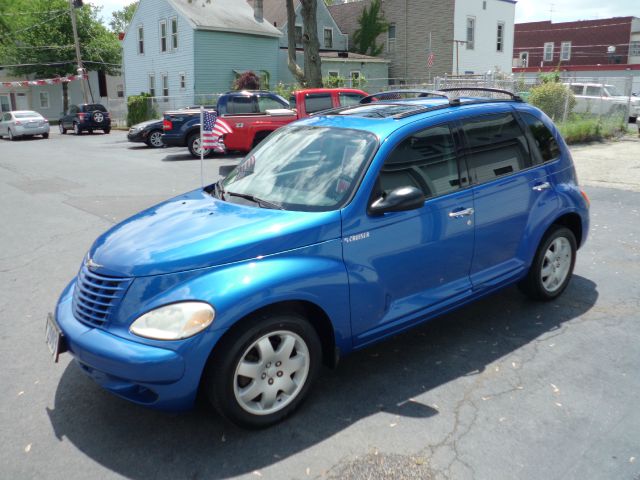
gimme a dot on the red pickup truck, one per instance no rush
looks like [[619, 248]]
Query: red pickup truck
[[253, 116]]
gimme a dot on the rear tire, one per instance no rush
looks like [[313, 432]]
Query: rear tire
[[107, 131], [45, 135], [552, 265], [193, 144], [259, 375]]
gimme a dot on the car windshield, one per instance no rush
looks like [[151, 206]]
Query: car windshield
[[613, 91], [303, 168], [26, 114]]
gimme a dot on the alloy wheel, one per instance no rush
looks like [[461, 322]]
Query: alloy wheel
[[155, 139], [556, 264]]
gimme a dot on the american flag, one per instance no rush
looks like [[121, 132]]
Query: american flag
[[430, 60], [212, 132]]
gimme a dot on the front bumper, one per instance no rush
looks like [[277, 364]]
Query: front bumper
[[137, 136], [144, 374]]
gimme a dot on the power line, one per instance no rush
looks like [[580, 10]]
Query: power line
[[12, 14], [57, 63]]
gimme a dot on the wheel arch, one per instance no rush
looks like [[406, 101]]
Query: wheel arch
[[573, 222]]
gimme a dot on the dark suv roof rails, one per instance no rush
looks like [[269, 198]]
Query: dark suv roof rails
[[398, 95]]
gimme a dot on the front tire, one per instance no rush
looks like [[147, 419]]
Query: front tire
[[193, 144], [63, 130], [260, 375], [552, 265], [154, 140]]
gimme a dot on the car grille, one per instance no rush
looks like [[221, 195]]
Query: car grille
[[96, 296]]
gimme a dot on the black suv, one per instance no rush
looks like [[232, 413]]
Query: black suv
[[87, 116]]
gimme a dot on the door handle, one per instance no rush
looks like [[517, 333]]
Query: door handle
[[461, 213], [541, 186]]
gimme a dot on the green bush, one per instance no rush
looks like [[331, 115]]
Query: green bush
[[140, 108], [333, 81], [580, 130], [553, 98], [285, 90]]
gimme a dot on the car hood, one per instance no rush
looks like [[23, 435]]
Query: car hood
[[196, 230], [147, 123]]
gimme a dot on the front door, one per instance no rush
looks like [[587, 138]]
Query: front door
[[403, 265]]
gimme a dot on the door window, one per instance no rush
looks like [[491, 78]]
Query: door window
[[426, 160], [594, 91], [317, 102], [497, 146], [347, 99], [577, 89], [267, 103], [545, 145]]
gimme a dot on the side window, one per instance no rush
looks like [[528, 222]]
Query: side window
[[577, 89], [292, 102], [543, 139], [593, 91], [497, 146], [426, 160], [238, 105], [266, 103], [347, 99], [73, 110], [317, 102]]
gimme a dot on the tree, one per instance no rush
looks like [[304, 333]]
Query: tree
[[42, 43], [120, 19], [371, 25], [311, 75], [247, 81]]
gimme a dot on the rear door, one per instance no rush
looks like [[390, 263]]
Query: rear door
[[511, 193]]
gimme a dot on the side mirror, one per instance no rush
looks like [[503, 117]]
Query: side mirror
[[398, 200]]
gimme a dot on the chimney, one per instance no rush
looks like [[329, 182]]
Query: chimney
[[257, 10]]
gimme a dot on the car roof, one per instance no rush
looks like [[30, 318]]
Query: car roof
[[25, 111], [384, 117]]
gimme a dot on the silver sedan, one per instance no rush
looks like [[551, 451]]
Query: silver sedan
[[23, 123]]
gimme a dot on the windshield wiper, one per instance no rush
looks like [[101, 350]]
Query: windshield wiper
[[256, 200]]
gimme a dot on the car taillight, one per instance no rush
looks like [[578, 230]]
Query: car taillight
[[167, 125], [81, 116], [18, 122]]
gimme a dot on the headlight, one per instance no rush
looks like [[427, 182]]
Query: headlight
[[174, 322]]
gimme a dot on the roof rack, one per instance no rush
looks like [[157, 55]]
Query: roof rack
[[398, 95], [513, 96]]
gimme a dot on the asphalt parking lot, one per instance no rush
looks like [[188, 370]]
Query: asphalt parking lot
[[503, 389]]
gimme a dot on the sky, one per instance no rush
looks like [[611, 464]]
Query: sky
[[526, 10]]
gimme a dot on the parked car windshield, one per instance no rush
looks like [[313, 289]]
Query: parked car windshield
[[26, 114], [304, 168]]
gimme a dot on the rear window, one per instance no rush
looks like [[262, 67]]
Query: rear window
[[316, 102], [26, 114], [93, 107], [544, 143], [239, 105], [347, 99]]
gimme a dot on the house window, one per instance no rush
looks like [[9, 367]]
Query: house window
[[548, 52], [334, 73], [165, 85], [500, 37], [174, 33], [141, 40], [44, 99], [163, 35], [524, 59], [328, 38], [152, 85], [298, 35], [355, 78], [565, 51], [120, 90], [391, 38], [183, 81], [471, 32], [634, 49]]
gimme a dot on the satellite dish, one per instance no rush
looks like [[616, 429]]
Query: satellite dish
[[611, 49]]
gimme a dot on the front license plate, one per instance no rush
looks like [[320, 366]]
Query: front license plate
[[54, 338]]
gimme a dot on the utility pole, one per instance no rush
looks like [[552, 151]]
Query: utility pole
[[73, 4], [458, 42]]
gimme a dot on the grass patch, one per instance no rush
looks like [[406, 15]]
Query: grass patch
[[580, 130]]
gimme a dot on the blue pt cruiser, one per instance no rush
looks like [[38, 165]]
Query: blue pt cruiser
[[337, 231]]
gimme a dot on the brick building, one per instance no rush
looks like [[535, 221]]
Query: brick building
[[611, 41]]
